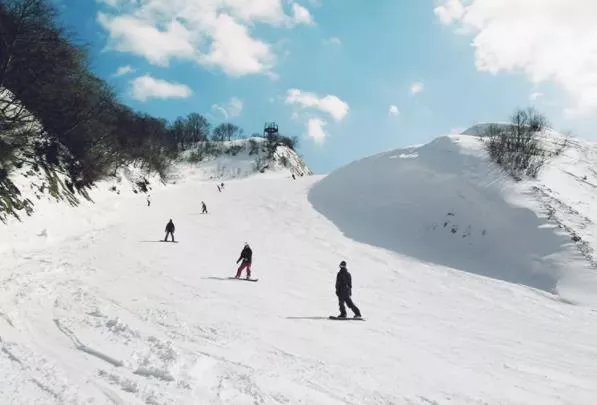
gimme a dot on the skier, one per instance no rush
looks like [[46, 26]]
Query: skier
[[203, 208], [169, 230], [293, 177], [222, 186], [148, 200], [246, 256], [344, 291]]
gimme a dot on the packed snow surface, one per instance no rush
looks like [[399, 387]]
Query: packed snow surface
[[101, 312]]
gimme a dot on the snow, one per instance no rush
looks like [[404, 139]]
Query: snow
[[444, 203], [244, 162], [106, 314]]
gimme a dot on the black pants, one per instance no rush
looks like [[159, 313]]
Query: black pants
[[169, 233], [351, 305]]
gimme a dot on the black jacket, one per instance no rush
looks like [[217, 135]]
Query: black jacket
[[246, 255], [343, 283], [170, 227]]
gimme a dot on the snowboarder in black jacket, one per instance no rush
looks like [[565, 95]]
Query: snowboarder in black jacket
[[246, 255], [203, 208], [169, 231], [344, 291]]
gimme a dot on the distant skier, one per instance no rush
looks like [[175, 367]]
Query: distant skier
[[344, 291], [203, 208], [222, 185], [169, 231], [293, 177], [148, 200], [246, 255]]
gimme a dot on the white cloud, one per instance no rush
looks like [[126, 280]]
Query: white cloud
[[333, 41], [330, 104], [213, 33], [315, 129], [548, 40], [449, 11], [146, 87], [393, 110], [416, 88], [232, 108], [301, 15], [536, 95], [124, 70], [137, 36], [235, 51]]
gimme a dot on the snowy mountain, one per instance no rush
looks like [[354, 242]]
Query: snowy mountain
[[453, 267]]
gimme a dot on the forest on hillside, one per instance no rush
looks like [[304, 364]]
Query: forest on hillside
[[60, 121]]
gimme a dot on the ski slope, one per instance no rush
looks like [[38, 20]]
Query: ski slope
[[100, 312]]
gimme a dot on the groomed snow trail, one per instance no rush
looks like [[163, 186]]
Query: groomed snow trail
[[115, 317]]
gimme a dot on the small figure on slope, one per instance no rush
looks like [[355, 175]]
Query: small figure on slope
[[344, 292], [169, 230], [148, 200], [203, 208], [222, 185], [246, 256]]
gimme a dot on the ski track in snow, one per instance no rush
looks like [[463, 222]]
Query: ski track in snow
[[112, 317]]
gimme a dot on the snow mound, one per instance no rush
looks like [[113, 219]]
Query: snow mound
[[447, 204]]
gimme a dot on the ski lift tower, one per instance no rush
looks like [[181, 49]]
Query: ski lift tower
[[270, 130]]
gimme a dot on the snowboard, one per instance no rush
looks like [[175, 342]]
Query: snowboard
[[244, 279], [337, 318]]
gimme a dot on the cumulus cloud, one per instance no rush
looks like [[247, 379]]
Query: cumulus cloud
[[232, 108], [548, 40], [330, 104], [416, 88], [124, 70], [146, 87], [393, 110], [449, 11], [215, 33], [315, 129]]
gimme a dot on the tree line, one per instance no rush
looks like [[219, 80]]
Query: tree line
[[62, 121]]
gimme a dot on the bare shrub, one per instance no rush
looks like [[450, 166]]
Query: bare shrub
[[516, 147]]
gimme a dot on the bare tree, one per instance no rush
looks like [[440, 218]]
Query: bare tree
[[197, 128], [516, 147], [225, 132]]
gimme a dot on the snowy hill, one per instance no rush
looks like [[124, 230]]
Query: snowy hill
[[243, 158], [98, 311], [445, 203]]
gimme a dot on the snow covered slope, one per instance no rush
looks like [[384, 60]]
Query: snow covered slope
[[106, 314], [446, 204], [245, 157]]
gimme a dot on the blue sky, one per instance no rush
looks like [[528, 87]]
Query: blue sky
[[349, 77]]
